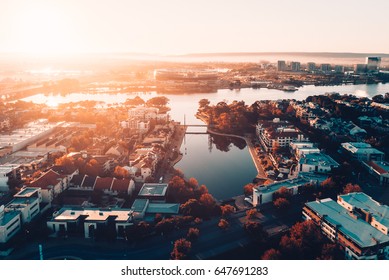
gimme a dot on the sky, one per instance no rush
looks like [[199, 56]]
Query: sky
[[193, 26]]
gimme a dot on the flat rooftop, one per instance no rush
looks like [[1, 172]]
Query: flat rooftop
[[357, 230], [318, 159], [363, 201], [153, 189], [6, 168], [382, 167], [26, 192], [92, 214], [139, 205], [163, 208], [360, 148], [8, 216], [303, 179]]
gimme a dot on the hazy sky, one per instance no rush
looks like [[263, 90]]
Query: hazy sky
[[193, 26]]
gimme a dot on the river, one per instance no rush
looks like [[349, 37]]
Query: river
[[223, 172]]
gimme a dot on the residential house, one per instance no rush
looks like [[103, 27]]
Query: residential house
[[278, 133], [91, 221], [51, 184], [362, 151], [380, 170], [317, 162]]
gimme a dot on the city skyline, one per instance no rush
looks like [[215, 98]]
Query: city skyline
[[173, 27]]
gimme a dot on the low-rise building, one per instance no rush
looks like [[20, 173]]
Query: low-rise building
[[91, 222], [8, 172], [51, 183], [374, 213], [143, 208], [380, 170], [264, 193], [317, 162], [153, 191], [27, 202], [362, 151], [358, 238], [278, 133], [10, 224]]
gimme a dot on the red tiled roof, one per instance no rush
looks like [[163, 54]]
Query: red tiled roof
[[121, 185], [77, 179], [89, 181], [50, 178], [64, 169], [103, 183], [377, 167]]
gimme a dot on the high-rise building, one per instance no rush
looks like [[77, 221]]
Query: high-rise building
[[295, 66], [281, 65], [339, 69], [373, 63], [325, 68], [311, 66], [360, 68]]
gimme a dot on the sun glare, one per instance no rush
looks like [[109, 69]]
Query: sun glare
[[52, 102], [43, 30]]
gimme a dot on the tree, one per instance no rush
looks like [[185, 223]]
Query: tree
[[192, 208], [158, 101], [134, 101], [282, 204], [223, 224], [165, 226], [181, 249], [92, 168], [121, 172], [251, 213], [227, 210], [193, 183], [207, 201], [350, 188], [255, 230], [203, 103], [271, 254], [248, 189], [193, 234], [282, 192], [303, 242], [331, 251]]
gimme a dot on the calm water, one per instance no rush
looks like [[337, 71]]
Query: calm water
[[187, 104], [224, 173]]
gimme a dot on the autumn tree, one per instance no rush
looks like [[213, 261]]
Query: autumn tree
[[158, 101], [121, 172], [248, 189], [223, 224], [192, 208], [251, 213], [193, 234], [281, 204], [134, 101], [227, 210], [255, 230], [304, 241], [203, 103], [350, 188], [282, 192], [92, 168], [65, 161], [181, 249], [165, 226], [271, 254]]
